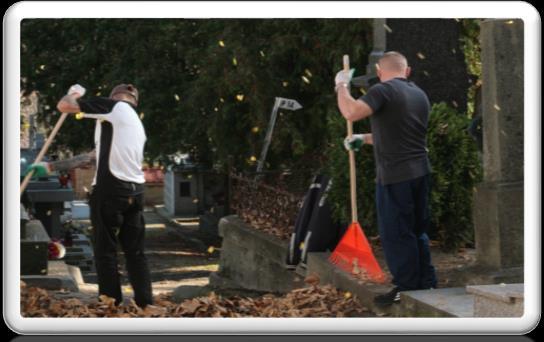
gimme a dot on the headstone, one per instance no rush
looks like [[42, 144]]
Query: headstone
[[34, 249], [498, 201]]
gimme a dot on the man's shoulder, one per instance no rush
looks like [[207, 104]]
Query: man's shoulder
[[124, 106], [379, 85]]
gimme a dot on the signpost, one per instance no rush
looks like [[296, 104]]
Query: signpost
[[282, 103]]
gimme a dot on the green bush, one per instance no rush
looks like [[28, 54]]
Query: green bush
[[338, 169], [455, 170]]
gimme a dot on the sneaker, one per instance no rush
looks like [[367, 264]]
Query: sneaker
[[388, 298]]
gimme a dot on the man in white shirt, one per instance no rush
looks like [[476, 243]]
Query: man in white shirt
[[117, 198]]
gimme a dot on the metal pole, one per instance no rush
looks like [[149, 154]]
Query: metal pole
[[268, 137]]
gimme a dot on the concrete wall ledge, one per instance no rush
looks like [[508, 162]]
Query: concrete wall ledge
[[252, 260], [318, 263]]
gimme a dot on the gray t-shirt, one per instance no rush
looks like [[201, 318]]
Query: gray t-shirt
[[399, 129]]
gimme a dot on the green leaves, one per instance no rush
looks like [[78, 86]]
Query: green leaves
[[456, 169], [225, 73]]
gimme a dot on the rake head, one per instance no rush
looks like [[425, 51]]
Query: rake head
[[353, 254]]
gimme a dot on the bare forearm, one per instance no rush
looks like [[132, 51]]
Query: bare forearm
[[68, 104], [81, 160], [345, 103]]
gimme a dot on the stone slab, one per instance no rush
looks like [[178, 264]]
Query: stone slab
[[58, 277], [184, 292], [485, 307], [503, 300], [447, 302], [502, 292]]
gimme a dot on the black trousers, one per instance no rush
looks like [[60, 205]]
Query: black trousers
[[118, 218], [404, 218]]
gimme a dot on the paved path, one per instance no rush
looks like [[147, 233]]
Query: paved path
[[175, 257]]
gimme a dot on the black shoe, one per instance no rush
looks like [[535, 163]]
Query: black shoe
[[388, 298]]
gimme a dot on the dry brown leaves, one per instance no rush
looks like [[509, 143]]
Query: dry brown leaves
[[267, 209], [314, 301]]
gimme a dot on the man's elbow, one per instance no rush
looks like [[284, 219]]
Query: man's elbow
[[62, 107], [66, 107], [349, 116], [356, 113]]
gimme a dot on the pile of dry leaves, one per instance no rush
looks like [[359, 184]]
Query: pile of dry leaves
[[314, 301], [265, 208]]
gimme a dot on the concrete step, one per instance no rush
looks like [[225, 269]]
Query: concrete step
[[448, 302]]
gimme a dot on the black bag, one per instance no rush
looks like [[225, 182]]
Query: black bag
[[315, 230]]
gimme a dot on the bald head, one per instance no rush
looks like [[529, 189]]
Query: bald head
[[392, 64]]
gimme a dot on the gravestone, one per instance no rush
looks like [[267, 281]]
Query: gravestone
[[498, 200], [34, 249]]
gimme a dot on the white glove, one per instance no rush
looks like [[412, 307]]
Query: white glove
[[355, 142], [343, 77], [76, 89]]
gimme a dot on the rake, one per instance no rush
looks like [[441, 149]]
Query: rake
[[353, 253]]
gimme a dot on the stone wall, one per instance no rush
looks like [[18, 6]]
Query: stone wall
[[252, 260]]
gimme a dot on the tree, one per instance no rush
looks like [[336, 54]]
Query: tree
[[207, 86]]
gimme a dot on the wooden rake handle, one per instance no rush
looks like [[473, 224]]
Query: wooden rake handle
[[352, 175], [44, 149]]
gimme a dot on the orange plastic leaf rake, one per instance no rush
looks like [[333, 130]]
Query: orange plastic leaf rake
[[353, 253]]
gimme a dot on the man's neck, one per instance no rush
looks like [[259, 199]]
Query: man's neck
[[385, 79]]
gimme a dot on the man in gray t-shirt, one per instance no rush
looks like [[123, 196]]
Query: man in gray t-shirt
[[399, 114]]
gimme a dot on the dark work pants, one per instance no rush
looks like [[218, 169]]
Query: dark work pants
[[403, 219], [120, 219]]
